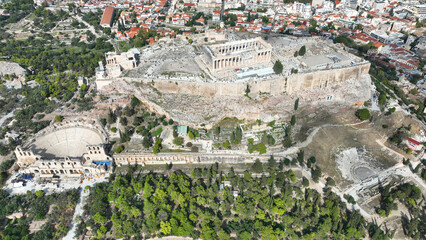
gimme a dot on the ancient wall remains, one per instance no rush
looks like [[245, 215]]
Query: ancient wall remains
[[292, 84], [183, 158]]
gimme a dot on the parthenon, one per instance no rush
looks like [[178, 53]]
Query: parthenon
[[237, 54]]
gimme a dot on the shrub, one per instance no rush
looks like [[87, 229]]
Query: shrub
[[226, 145], [59, 118], [178, 141], [119, 149], [191, 135]]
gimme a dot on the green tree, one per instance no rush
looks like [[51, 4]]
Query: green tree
[[272, 163], [278, 67], [191, 135], [165, 227], [331, 182], [98, 218], [178, 141], [222, 235], [147, 141], [217, 131], [293, 120], [119, 149], [111, 118], [39, 193], [296, 104], [226, 145], [101, 232], [245, 235], [363, 114], [305, 182], [257, 166], [157, 145], [302, 51], [247, 89], [316, 174]]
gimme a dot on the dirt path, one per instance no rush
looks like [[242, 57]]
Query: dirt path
[[398, 169], [294, 149], [9, 115], [382, 144]]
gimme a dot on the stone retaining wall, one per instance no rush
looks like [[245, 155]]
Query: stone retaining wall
[[182, 158], [292, 84]]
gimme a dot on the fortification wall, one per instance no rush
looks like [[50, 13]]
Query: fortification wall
[[289, 85]]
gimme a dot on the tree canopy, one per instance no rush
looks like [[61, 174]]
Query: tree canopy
[[363, 114], [278, 67]]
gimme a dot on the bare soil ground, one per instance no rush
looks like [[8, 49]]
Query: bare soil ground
[[340, 133]]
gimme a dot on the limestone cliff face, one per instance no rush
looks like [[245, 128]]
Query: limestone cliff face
[[276, 86], [195, 103]]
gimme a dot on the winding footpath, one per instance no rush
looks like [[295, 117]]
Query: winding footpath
[[398, 169], [9, 115]]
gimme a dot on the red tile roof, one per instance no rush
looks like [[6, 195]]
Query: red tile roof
[[107, 16], [413, 141], [378, 44]]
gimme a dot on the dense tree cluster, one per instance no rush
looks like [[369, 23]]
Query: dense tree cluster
[[47, 63], [411, 197], [93, 17], [46, 19], [4, 167], [18, 9], [135, 117], [57, 209], [349, 42], [45, 60], [202, 205], [143, 36], [193, 20], [382, 75], [230, 19]]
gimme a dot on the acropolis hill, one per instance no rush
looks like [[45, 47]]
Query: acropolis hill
[[185, 78]]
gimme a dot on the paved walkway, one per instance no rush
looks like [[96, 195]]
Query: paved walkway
[[84, 193]]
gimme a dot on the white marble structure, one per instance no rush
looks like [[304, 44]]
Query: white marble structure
[[237, 54], [94, 162]]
